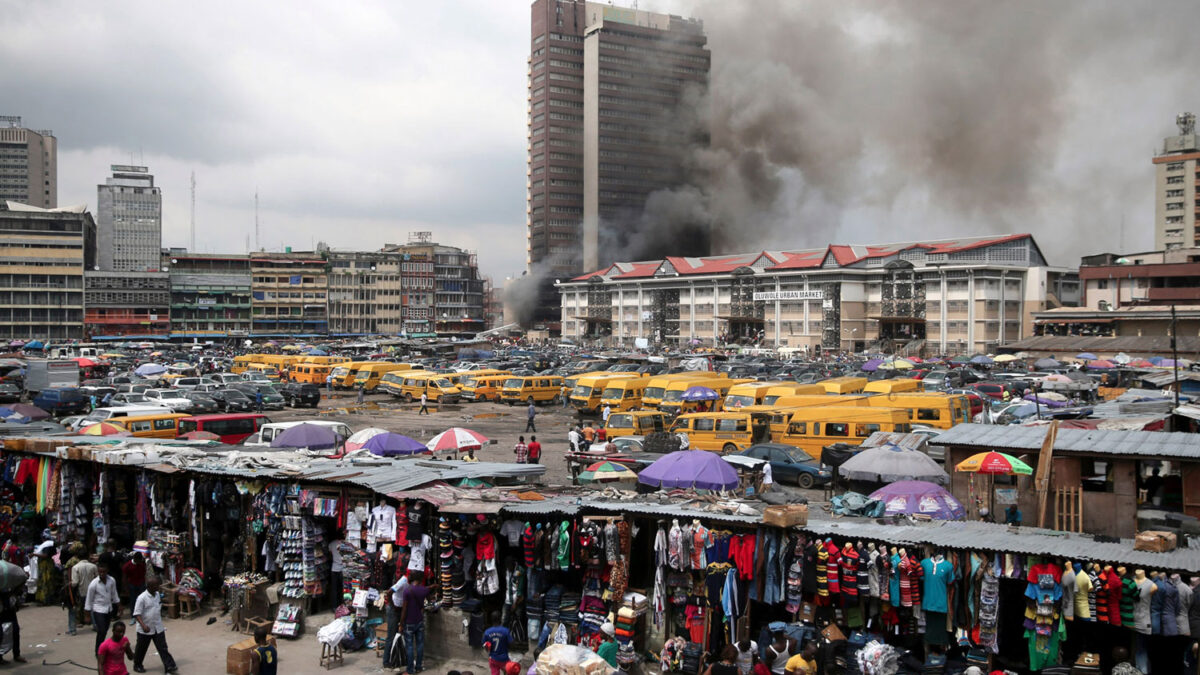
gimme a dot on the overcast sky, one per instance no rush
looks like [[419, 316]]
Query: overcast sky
[[358, 122]]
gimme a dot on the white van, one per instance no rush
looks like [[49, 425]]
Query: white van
[[269, 431], [115, 413]]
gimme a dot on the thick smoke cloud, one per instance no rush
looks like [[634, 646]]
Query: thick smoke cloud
[[864, 122]]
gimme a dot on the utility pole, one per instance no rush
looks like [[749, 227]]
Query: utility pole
[[256, 220], [1175, 354]]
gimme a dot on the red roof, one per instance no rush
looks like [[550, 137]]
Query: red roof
[[790, 260]]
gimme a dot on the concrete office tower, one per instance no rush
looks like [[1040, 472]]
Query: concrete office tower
[[605, 88], [44, 290], [28, 164], [129, 221], [1176, 199]]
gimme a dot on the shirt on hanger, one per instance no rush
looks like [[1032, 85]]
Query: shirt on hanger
[[416, 553], [383, 522]]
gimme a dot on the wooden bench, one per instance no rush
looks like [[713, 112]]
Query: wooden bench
[[188, 607], [331, 656]]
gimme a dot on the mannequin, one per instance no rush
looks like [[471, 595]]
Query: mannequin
[[1108, 600], [1068, 591], [937, 575], [1142, 619], [1168, 596], [1129, 597], [873, 570], [849, 574], [1084, 595], [1184, 605]]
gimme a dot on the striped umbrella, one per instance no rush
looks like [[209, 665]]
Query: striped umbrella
[[104, 429], [358, 438], [456, 438], [606, 472], [994, 463]]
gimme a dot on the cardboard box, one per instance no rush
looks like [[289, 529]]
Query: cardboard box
[[786, 515], [237, 658], [1154, 540]]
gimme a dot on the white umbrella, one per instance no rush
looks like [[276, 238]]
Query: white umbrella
[[890, 463], [456, 438], [357, 439]]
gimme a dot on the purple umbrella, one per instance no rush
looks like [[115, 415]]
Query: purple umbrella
[[312, 436], [699, 394], [698, 469], [390, 445], [1046, 402], [872, 365], [916, 497], [31, 411]]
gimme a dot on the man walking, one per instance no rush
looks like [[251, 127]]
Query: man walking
[[147, 612], [562, 393], [82, 574], [258, 401], [530, 414], [361, 391], [424, 404], [414, 621], [103, 602], [606, 412], [10, 602], [535, 450], [521, 451], [133, 573]]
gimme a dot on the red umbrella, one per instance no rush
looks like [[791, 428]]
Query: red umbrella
[[84, 362], [200, 436], [456, 438]]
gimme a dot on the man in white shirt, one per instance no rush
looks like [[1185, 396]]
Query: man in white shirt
[[147, 614], [573, 438], [607, 411], [394, 605], [103, 602], [767, 477], [82, 574]]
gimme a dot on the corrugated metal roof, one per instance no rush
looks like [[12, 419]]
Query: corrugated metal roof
[[995, 537], [1088, 441]]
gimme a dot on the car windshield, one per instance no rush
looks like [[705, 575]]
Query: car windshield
[[673, 396], [613, 392], [134, 398], [235, 394], [797, 456]]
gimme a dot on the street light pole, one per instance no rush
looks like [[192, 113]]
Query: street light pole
[[1175, 354]]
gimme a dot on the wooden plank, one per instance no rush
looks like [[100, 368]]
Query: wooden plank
[[1042, 476]]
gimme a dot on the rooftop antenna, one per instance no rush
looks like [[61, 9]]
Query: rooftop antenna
[[256, 219], [193, 230]]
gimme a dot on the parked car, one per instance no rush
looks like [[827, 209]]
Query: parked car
[[790, 464], [271, 398], [202, 403], [9, 392], [168, 398], [186, 383], [61, 401], [300, 395], [129, 398], [232, 400]]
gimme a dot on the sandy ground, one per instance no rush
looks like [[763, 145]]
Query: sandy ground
[[198, 648]]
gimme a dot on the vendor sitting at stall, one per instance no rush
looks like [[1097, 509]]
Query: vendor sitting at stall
[[608, 645]]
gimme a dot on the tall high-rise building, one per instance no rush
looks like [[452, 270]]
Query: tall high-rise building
[[611, 91], [1176, 199], [28, 164], [43, 283], [129, 221]]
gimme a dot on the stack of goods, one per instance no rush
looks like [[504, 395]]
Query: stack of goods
[[191, 583], [552, 602], [287, 621], [315, 556], [356, 567], [637, 602], [671, 657], [452, 567], [244, 580], [165, 548], [626, 629], [568, 609], [877, 658], [533, 615], [690, 660], [290, 557]]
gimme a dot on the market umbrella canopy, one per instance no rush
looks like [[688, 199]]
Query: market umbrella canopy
[[456, 438], [698, 469], [961, 359], [388, 444], [305, 435], [1086, 356], [890, 462], [34, 344], [1140, 363], [980, 359], [148, 369], [1101, 364], [1046, 363], [357, 439], [199, 436], [917, 497], [872, 364], [31, 411], [995, 463], [699, 394], [1004, 358], [606, 472], [317, 352], [104, 429]]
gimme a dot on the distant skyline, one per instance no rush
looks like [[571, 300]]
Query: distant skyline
[[359, 122]]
